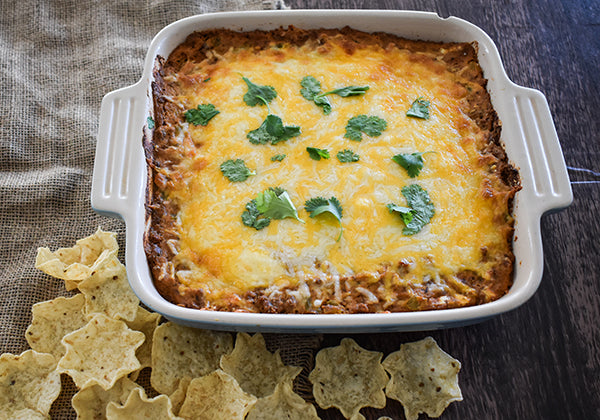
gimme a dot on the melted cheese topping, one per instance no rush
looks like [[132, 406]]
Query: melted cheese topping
[[223, 255]]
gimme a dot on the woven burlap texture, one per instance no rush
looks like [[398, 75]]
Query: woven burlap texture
[[57, 60]]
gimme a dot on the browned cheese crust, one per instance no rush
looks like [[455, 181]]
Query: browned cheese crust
[[161, 235]]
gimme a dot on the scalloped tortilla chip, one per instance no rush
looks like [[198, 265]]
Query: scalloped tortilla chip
[[283, 403], [424, 378], [179, 351], [101, 352], [348, 377], [29, 384], [25, 414], [145, 322], [80, 261], [90, 403], [52, 320], [107, 291], [178, 396], [139, 406], [256, 369], [216, 396]]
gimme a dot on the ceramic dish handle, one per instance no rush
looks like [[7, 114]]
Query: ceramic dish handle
[[543, 154], [119, 176]]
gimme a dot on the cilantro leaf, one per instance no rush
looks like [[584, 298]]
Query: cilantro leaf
[[275, 203], [251, 217], [272, 203], [236, 170], [272, 131], [404, 212], [412, 162], [257, 94], [420, 206], [347, 156], [370, 125], [419, 109], [201, 115], [311, 88], [324, 103], [319, 205], [317, 154], [311, 91], [347, 91], [150, 123], [277, 158], [277, 190]]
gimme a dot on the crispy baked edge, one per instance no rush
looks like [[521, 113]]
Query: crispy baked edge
[[460, 58]]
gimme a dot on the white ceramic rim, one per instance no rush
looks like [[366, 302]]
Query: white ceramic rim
[[529, 136]]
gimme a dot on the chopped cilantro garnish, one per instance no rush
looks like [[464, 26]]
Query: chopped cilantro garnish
[[347, 91], [412, 162], [347, 156], [252, 217], [257, 94], [277, 158], [272, 203], [324, 103], [419, 109], [404, 212], [370, 125], [420, 207], [272, 131], [311, 88], [311, 91], [201, 115], [236, 170], [318, 205], [317, 154], [275, 203], [150, 123]]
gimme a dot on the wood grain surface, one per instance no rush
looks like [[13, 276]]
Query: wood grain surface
[[542, 360]]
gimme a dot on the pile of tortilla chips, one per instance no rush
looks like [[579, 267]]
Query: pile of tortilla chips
[[102, 338]]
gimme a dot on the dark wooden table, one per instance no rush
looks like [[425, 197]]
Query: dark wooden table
[[542, 360]]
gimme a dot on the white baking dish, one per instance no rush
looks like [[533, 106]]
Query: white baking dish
[[120, 173]]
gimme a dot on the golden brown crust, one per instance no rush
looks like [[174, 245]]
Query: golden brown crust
[[354, 293]]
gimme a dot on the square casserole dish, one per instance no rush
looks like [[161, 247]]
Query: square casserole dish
[[528, 134]]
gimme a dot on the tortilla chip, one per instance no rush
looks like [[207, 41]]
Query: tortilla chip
[[90, 246], [283, 403], [29, 384], [90, 403], [145, 322], [348, 377], [52, 320], [216, 396], [107, 291], [424, 378], [100, 353], [256, 369], [139, 406], [80, 261], [179, 351], [25, 414], [178, 396]]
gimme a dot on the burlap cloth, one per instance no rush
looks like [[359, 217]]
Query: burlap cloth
[[58, 59]]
